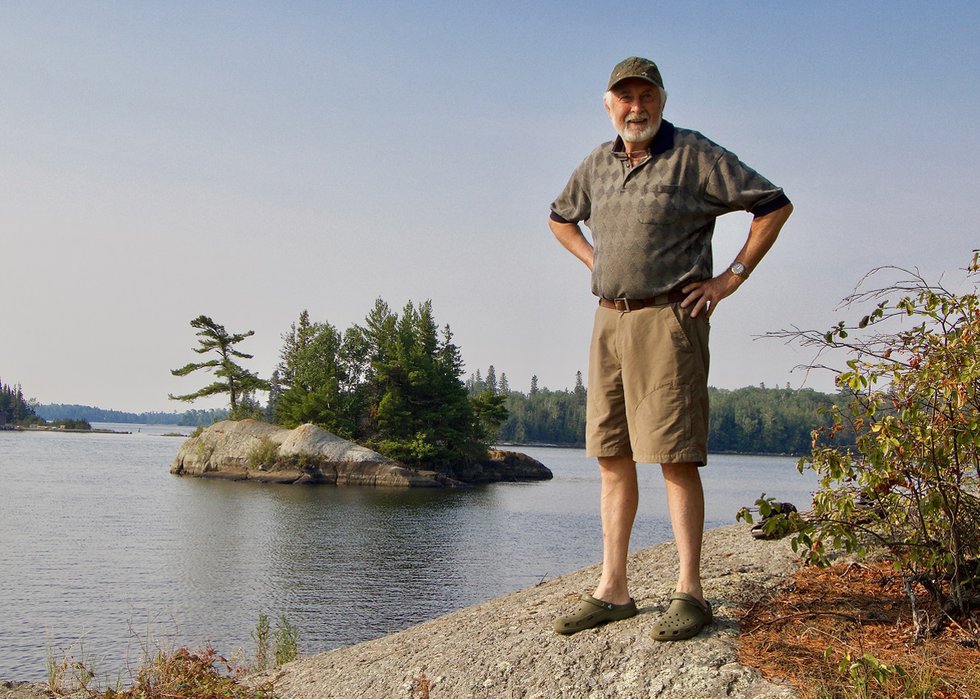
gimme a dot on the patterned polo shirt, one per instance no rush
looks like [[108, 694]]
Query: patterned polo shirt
[[652, 222]]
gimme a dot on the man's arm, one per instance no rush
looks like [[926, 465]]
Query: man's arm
[[762, 234], [573, 240]]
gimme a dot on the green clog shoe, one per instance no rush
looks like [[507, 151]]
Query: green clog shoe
[[592, 612], [684, 618]]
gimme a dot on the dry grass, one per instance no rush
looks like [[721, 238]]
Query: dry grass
[[185, 674], [846, 631]]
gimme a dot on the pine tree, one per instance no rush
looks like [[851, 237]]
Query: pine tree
[[14, 409], [234, 379], [492, 379], [313, 394]]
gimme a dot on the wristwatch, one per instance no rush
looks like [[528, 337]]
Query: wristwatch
[[739, 270]]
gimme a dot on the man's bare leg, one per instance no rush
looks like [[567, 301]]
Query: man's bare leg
[[685, 502], [619, 499]]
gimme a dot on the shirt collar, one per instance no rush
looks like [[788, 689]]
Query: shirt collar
[[662, 142]]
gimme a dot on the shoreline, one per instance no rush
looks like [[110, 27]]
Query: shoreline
[[544, 445], [506, 647], [71, 430]]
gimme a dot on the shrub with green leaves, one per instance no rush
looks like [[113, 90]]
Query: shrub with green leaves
[[264, 455], [910, 487]]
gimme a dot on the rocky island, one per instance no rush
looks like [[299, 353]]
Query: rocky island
[[255, 450]]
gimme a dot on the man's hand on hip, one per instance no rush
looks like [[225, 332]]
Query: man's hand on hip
[[706, 295]]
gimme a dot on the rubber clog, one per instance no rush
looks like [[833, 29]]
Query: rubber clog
[[684, 618], [592, 612]]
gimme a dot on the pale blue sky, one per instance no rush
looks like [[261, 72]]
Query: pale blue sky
[[249, 160]]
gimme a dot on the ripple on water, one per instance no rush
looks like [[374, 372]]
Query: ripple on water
[[102, 544]]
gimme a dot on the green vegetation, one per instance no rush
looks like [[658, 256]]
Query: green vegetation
[[542, 416], [183, 673], [264, 455], [747, 420], [909, 488], [239, 383], [284, 643], [14, 409], [197, 418], [317, 378], [72, 424], [761, 420], [392, 384]]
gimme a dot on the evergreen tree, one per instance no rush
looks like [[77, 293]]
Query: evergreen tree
[[489, 413], [298, 338], [312, 363], [14, 409], [423, 413], [491, 379], [233, 379]]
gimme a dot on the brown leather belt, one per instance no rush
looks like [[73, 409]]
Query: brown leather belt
[[627, 305]]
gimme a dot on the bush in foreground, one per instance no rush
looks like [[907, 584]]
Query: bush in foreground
[[910, 488]]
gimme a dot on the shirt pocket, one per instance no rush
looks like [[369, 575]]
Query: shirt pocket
[[659, 204]]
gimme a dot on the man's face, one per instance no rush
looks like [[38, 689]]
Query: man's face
[[635, 108]]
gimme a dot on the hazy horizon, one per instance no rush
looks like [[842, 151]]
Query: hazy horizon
[[247, 161]]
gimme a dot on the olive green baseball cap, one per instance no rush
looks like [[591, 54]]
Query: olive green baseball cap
[[636, 67]]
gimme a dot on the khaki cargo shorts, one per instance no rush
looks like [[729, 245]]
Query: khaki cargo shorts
[[648, 385]]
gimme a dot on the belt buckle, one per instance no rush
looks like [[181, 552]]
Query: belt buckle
[[626, 305]]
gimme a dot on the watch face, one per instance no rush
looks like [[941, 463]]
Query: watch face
[[738, 269]]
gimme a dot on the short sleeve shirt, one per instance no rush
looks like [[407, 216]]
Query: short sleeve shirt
[[652, 222]]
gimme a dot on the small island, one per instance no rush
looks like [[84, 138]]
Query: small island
[[254, 450], [380, 404]]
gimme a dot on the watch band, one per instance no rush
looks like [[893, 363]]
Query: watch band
[[739, 270]]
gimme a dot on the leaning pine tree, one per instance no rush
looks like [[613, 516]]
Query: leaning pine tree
[[236, 381]]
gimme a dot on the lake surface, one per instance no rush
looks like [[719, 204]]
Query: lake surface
[[103, 552]]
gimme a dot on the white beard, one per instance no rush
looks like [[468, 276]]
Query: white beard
[[639, 136]]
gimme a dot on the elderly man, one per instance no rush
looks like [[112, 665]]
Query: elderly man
[[651, 198]]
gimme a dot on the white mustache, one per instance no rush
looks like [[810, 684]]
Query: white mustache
[[637, 117]]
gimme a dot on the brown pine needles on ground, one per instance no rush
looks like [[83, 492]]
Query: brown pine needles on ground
[[846, 631]]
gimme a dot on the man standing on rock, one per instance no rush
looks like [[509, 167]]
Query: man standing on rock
[[651, 198]]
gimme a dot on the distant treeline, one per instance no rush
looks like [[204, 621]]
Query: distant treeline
[[755, 419], [191, 418], [764, 420], [541, 416]]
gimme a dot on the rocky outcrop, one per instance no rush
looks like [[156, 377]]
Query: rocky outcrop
[[254, 450], [502, 466], [507, 649]]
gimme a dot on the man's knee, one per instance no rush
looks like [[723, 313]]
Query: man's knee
[[683, 474], [617, 464]]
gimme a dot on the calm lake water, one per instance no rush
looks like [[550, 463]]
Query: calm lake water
[[101, 548]]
